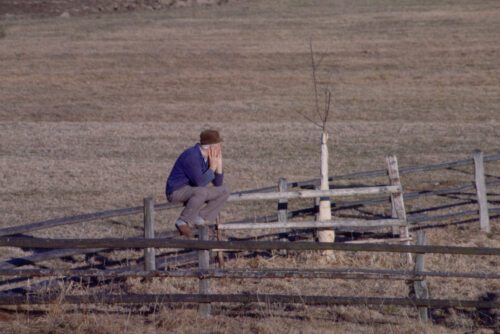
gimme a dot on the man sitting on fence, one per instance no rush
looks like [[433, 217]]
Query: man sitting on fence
[[189, 183]]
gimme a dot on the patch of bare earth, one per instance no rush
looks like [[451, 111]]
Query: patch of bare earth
[[95, 109], [68, 8]]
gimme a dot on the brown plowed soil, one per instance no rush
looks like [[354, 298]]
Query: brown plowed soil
[[50, 8], [95, 109]]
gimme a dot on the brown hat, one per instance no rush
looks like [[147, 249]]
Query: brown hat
[[208, 137]]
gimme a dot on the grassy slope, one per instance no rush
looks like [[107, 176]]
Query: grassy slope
[[94, 110]]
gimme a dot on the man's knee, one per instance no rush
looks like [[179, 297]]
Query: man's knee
[[200, 194]]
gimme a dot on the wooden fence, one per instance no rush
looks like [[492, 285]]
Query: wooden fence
[[101, 215], [388, 193], [421, 299]]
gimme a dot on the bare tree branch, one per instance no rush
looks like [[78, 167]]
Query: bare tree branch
[[328, 99], [327, 109], [314, 80], [309, 119], [326, 106]]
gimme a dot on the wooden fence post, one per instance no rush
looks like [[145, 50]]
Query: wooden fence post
[[149, 233], [283, 210], [282, 202], [316, 205], [204, 263], [219, 236], [484, 218], [397, 200], [420, 287]]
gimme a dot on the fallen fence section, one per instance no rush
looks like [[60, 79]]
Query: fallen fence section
[[240, 298]]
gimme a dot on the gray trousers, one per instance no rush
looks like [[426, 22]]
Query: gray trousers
[[205, 202]]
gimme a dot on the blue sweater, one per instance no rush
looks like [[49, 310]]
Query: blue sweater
[[192, 169]]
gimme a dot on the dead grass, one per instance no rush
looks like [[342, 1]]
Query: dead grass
[[96, 109], [168, 320]]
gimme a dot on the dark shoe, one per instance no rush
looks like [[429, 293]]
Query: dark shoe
[[185, 230]]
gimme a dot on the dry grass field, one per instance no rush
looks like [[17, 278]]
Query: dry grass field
[[94, 110]]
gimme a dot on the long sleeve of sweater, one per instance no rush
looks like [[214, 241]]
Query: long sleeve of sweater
[[218, 179]]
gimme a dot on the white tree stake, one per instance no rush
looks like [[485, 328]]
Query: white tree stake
[[325, 212]]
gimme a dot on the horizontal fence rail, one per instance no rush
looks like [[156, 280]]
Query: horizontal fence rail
[[12, 299], [315, 224], [428, 218], [114, 243], [402, 170], [59, 253], [305, 273], [340, 192], [87, 217]]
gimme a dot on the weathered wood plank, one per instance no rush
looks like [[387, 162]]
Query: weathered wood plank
[[219, 236], [59, 253], [13, 299], [366, 241], [420, 286], [282, 209], [340, 192], [484, 218], [282, 202], [338, 222], [412, 195], [305, 273], [69, 220], [87, 217], [402, 170], [397, 200], [204, 309], [116, 243], [149, 233]]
